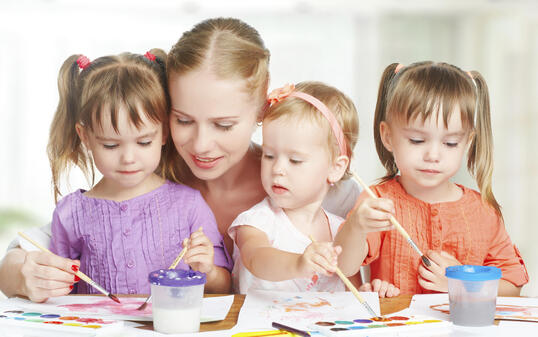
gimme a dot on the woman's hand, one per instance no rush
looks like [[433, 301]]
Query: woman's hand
[[383, 288], [45, 275], [319, 257], [200, 253], [433, 277]]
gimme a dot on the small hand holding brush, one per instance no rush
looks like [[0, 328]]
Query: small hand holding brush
[[172, 266], [80, 274], [395, 222], [352, 288]]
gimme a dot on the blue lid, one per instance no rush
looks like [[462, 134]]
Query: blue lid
[[473, 273], [176, 277]]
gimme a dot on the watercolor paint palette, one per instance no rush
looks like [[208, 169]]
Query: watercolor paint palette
[[386, 325], [51, 321]]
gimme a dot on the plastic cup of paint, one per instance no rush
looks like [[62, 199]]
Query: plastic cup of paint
[[472, 293], [177, 300]]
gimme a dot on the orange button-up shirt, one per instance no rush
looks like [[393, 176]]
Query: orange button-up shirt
[[468, 229]]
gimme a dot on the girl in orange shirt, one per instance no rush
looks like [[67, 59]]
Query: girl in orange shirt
[[428, 115]]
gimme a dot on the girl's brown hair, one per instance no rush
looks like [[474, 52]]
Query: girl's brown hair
[[108, 83], [424, 89], [340, 105], [231, 49]]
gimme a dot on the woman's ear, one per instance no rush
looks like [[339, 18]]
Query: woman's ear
[[386, 136], [82, 134], [338, 169]]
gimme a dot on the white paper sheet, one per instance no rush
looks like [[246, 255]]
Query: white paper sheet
[[437, 305], [213, 309], [299, 310]]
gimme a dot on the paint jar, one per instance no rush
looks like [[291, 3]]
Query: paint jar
[[177, 300], [472, 293]]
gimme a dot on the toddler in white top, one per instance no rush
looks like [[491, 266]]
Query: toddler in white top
[[309, 132]]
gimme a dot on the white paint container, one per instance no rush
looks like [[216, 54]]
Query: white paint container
[[177, 300]]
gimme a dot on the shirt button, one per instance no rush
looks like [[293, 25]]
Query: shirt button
[[132, 291], [435, 212], [123, 207], [127, 232], [130, 264]]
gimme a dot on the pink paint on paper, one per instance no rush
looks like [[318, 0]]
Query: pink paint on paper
[[127, 307]]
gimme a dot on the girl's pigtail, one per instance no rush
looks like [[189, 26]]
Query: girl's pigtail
[[480, 157], [386, 157], [64, 147]]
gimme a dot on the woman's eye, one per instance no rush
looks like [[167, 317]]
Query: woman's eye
[[224, 126], [267, 156], [415, 141], [110, 146], [183, 121]]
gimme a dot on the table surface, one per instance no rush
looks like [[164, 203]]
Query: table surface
[[387, 305]]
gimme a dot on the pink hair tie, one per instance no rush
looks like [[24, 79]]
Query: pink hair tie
[[398, 68], [288, 90], [149, 56], [83, 62]]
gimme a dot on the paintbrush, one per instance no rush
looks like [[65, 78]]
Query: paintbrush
[[172, 266], [395, 222], [352, 288], [80, 274]]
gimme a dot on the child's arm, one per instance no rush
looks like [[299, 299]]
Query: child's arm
[[272, 264], [368, 215], [200, 257], [433, 277]]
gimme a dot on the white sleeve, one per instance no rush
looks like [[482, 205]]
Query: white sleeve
[[342, 197], [260, 216], [40, 234]]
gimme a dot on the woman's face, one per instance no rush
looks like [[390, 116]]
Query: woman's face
[[211, 122]]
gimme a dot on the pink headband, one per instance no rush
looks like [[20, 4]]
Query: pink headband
[[288, 90]]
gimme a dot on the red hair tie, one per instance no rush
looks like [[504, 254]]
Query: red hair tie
[[149, 56], [83, 62]]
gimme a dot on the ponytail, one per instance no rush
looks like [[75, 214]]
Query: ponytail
[[480, 157], [385, 88], [64, 147]]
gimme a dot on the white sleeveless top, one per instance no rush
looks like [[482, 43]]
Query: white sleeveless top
[[283, 235]]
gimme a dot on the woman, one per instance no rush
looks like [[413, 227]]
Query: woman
[[218, 79]]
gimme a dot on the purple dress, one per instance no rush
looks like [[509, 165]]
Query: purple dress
[[120, 243]]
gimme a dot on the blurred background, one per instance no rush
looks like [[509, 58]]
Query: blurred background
[[346, 44]]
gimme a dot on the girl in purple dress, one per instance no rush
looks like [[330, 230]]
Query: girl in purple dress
[[112, 114]]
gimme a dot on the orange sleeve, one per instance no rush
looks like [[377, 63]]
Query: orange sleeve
[[505, 255]]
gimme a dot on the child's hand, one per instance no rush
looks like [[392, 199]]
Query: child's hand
[[319, 257], [199, 255], [383, 288], [372, 215], [433, 277]]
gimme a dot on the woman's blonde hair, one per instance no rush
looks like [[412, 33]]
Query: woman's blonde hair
[[108, 83], [231, 49], [340, 105], [424, 89]]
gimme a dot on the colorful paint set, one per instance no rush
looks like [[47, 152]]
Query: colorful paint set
[[386, 325], [32, 319]]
